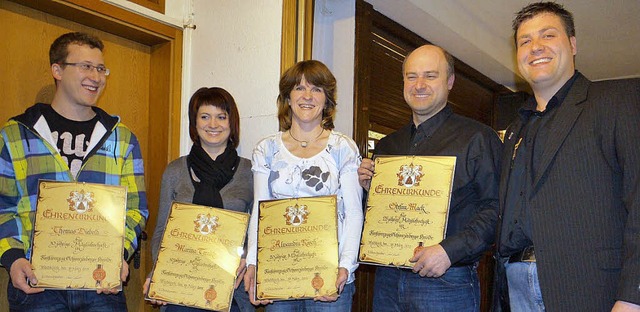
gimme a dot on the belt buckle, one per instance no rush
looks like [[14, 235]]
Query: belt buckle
[[528, 255]]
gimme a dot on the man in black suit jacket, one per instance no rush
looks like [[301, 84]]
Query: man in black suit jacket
[[570, 183]]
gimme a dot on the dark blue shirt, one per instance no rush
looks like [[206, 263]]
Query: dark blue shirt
[[516, 231], [473, 211]]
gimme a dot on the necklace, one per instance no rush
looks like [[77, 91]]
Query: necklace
[[304, 144]]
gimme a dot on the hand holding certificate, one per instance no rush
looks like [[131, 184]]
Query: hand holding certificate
[[407, 208], [79, 235], [198, 258], [297, 248]]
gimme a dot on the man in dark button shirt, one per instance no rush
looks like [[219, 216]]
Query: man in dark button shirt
[[444, 277], [569, 236]]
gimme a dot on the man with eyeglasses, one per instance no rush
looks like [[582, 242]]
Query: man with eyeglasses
[[69, 140]]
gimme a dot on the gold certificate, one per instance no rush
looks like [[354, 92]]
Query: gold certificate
[[297, 248], [79, 235], [407, 208], [199, 254]]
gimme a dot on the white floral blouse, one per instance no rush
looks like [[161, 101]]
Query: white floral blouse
[[279, 174]]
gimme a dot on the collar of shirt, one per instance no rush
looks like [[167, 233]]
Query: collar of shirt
[[426, 129], [529, 108]]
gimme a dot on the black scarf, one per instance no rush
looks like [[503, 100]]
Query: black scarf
[[213, 174]]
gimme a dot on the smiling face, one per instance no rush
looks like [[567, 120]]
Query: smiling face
[[545, 53], [76, 88], [426, 85], [307, 102], [212, 124]]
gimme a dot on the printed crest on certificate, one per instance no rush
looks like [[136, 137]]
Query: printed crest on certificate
[[297, 248], [407, 208]]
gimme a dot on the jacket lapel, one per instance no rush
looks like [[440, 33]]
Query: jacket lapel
[[562, 124]]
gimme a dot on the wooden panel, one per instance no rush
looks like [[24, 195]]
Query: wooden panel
[[24, 79], [297, 32], [361, 94], [471, 99], [387, 107], [160, 115], [156, 5], [107, 17]]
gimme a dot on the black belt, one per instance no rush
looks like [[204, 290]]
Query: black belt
[[526, 255], [462, 265]]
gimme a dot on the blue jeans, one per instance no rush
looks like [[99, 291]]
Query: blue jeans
[[524, 288], [64, 300], [399, 290], [343, 304], [240, 303]]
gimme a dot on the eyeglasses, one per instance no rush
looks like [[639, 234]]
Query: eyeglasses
[[87, 68]]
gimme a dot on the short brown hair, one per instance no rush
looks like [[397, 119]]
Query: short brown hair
[[536, 8], [59, 51], [317, 74], [220, 98]]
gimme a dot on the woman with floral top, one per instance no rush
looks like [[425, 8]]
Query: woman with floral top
[[308, 158]]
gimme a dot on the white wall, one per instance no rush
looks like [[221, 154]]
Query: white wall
[[236, 46], [334, 45]]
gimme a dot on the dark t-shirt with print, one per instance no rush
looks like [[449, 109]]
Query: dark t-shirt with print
[[71, 137]]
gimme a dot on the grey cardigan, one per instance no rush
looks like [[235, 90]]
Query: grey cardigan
[[237, 195]]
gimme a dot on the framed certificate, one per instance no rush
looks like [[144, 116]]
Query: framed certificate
[[199, 254], [78, 238], [407, 208], [297, 248]]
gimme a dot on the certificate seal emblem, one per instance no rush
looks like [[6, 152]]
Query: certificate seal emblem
[[317, 282], [205, 224], [210, 295], [410, 175], [99, 274], [81, 202], [296, 215]]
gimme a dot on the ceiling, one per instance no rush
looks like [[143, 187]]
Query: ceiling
[[478, 32]]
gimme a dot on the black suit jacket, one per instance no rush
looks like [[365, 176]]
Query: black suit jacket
[[585, 204]]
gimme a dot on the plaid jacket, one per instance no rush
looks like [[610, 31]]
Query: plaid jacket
[[28, 154]]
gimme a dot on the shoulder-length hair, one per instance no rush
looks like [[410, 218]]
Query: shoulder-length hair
[[317, 74], [220, 98]]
